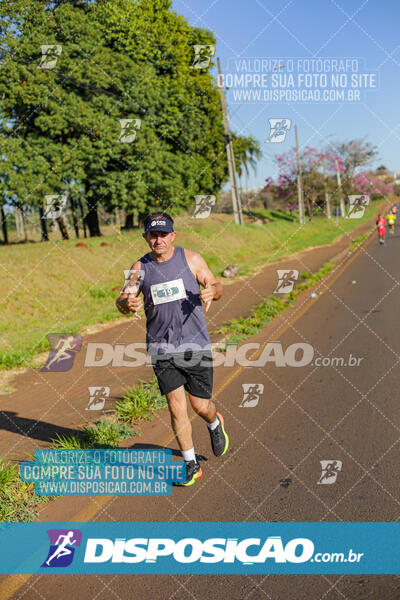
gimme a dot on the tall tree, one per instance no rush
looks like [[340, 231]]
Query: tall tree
[[113, 60], [355, 154]]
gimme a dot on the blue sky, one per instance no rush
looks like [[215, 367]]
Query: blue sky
[[298, 29]]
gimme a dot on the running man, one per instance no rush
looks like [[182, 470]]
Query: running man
[[62, 549], [381, 224], [62, 348], [176, 332]]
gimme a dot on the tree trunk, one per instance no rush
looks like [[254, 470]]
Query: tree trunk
[[4, 225], [309, 209], [129, 221], [23, 226], [141, 218], [17, 223], [82, 217], [92, 218], [74, 217], [62, 227], [328, 205], [43, 225]]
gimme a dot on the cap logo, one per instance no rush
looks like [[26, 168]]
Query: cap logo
[[163, 223]]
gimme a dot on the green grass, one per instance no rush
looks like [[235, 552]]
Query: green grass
[[273, 215], [70, 442], [105, 434], [261, 314], [357, 241], [311, 279], [55, 287], [140, 402], [100, 434], [18, 501]]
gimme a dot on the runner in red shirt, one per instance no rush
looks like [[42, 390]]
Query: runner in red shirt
[[381, 223]]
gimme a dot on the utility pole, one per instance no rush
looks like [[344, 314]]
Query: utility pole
[[299, 181], [341, 199], [327, 198], [236, 203]]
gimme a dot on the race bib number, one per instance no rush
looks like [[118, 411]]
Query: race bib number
[[168, 291]]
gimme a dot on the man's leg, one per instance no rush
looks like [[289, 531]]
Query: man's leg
[[199, 385], [182, 428], [215, 422], [180, 421], [203, 407]]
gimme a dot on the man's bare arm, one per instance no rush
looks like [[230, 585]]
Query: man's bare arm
[[129, 301], [212, 288]]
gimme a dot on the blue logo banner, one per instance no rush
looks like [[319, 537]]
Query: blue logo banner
[[204, 548]]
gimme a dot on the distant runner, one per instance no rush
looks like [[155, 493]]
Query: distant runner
[[381, 224], [176, 333], [390, 218], [394, 212]]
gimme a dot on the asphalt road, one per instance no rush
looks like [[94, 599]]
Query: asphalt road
[[306, 414]]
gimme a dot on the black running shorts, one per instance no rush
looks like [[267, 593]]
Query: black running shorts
[[192, 369]]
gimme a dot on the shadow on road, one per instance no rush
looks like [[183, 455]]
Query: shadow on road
[[32, 428]]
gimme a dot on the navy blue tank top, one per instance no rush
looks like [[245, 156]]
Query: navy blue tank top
[[174, 312]]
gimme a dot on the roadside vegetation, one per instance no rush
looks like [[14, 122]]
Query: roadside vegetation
[[65, 289], [18, 501]]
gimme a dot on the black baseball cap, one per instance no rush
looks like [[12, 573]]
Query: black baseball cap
[[159, 222]]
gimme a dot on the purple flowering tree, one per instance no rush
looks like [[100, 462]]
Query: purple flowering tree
[[312, 160], [367, 183]]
